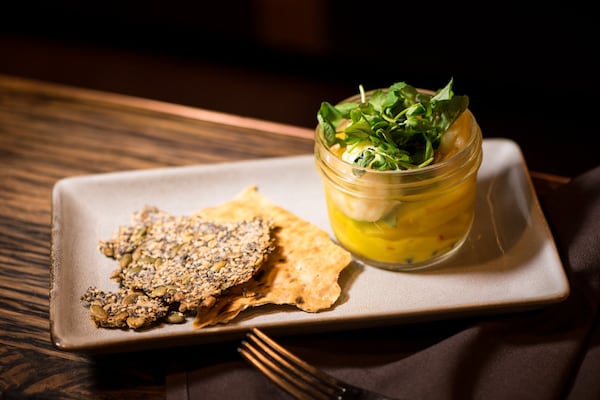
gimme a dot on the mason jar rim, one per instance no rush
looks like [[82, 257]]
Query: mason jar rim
[[449, 163]]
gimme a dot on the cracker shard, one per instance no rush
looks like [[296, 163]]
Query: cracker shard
[[303, 269], [123, 309]]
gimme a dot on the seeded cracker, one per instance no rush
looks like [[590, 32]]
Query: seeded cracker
[[176, 263]]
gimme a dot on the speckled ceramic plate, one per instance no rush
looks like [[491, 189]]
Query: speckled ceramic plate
[[509, 262]]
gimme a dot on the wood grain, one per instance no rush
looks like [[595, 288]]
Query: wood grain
[[48, 132]]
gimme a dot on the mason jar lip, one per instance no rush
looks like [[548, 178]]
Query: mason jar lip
[[448, 164], [375, 184]]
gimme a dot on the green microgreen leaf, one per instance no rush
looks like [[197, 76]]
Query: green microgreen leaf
[[394, 129]]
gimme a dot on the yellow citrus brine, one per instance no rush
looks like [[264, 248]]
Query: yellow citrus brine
[[404, 219]]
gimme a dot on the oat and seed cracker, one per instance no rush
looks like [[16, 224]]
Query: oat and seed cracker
[[186, 260]]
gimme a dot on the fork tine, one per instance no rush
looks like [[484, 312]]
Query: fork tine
[[276, 375], [292, 374], [297, 364]]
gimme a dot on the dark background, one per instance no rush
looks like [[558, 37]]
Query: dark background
[[530, 73]]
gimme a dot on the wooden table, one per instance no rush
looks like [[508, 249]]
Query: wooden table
[[48, 132]]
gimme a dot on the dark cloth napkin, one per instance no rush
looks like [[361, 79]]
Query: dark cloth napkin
[[548, 353]]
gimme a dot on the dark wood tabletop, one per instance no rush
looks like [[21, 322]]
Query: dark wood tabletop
[[49, 132]]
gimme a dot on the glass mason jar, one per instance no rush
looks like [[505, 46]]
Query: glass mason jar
[[409, 219]]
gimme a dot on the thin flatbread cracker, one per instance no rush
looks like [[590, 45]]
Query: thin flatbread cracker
[[302, 270]]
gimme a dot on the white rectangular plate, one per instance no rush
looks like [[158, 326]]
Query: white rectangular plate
[[509, 262]]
